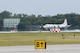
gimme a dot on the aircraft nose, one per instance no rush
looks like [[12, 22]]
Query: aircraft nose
[[44, 26], [41, 26]]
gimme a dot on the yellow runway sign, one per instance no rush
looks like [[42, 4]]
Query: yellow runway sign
[[40, 44]]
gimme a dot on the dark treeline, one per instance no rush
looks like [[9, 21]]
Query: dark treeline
[[73, 19]]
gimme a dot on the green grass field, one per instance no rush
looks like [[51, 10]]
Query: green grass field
[[25, 38]]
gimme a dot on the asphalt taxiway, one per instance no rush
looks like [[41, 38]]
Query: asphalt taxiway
[[72, 48]]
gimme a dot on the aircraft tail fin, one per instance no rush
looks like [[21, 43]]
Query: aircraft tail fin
[[65, 22]]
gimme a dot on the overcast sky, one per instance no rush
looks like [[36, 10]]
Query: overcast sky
[[41, 7]]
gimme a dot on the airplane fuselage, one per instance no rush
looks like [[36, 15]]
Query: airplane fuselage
[[49, 26], [55, 26]]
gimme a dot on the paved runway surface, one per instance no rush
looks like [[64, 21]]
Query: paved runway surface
[[38, 31], [74, 48]]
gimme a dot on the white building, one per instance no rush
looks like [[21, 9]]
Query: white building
[[11, 23]]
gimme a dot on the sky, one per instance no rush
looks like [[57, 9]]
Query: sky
[[40, 7]]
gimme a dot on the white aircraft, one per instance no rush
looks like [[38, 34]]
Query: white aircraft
[[49, 26]]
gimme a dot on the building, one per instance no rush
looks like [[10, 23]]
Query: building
[[10, 24]]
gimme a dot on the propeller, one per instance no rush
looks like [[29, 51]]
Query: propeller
[[41, 27]]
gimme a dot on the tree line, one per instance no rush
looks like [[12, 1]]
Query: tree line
[[25, 19]]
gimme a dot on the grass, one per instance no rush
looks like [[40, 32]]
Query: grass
[[24, 38]]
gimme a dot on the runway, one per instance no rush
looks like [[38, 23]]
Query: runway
[[73, 48], [49, 31], [38, 31]]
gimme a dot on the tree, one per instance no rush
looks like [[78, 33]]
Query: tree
[[5, 14], [21, 26]]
